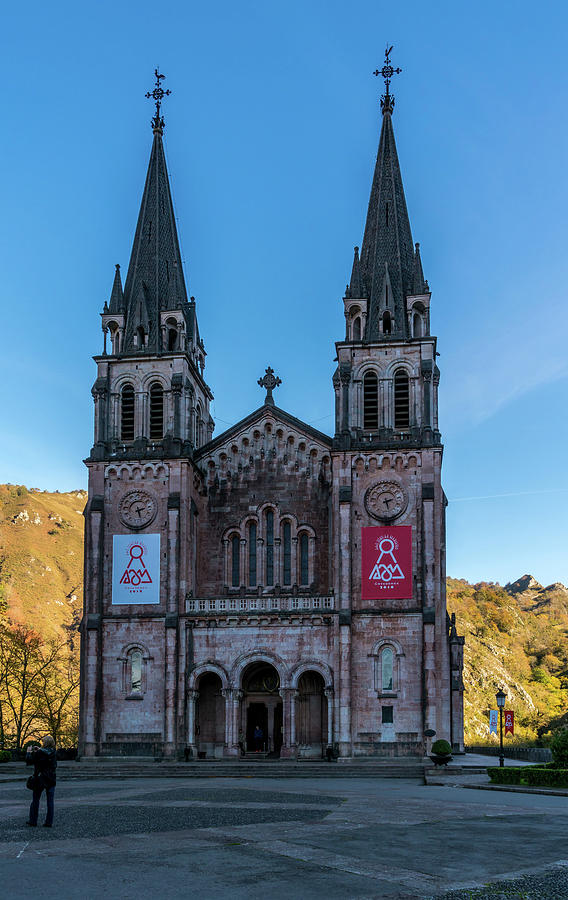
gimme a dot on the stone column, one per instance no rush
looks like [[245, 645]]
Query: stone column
[[329, 697], [229, 724], [191, 698], [270, 726], [236, 699]]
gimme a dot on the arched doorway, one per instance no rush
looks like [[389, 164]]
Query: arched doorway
[[261, 709], [210, 716], [311, 715]]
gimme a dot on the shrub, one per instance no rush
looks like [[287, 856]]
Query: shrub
[[5, 756], [509, 775], [441, 748], [546, 777], [559, 747]]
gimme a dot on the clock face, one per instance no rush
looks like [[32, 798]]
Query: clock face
[[386, 500], [137, 509]]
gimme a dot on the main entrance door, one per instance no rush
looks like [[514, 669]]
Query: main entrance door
[[262, 709]]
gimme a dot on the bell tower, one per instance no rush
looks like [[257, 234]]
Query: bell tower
[[388, 459]]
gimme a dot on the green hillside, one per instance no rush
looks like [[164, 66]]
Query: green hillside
[[516, 636]]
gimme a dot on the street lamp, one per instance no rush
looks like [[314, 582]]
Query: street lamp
[[501, 696]]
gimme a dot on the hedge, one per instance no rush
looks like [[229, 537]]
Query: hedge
[[531, 775], [5, 756]]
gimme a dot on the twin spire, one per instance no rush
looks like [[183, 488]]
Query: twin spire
[[386, 272], [389, 268], [155, 282]]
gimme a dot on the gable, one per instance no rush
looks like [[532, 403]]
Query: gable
[[267, 435]]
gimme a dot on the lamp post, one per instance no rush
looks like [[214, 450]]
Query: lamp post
[[501, 696]]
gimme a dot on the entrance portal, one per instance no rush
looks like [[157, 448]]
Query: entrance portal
[[311, 715], [262, 709], [210, 715]]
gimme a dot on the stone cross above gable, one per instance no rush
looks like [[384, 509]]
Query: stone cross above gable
[[269, 381]]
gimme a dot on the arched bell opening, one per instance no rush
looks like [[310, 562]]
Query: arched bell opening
[[261, 710], [311, 715], [210, 716]]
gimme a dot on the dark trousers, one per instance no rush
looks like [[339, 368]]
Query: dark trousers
[[34, 805]]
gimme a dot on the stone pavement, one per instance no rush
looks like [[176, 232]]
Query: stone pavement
[[281, 838]]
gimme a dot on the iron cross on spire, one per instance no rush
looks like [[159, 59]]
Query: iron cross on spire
[[158, 95], [387, 100], [269, 381]]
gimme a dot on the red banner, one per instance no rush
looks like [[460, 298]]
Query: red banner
[[386, 562], [509, 721]]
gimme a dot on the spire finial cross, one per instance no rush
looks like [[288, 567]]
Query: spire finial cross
[[158, 95], [387, 100], [269, 381]]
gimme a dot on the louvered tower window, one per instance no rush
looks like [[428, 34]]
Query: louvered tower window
[[287, 535], [370, 402], [387, 322], [156, 412], [357, 329], [235, 562], [304, 566], [127, 413], [252, 554], [269, 547], [401, 400]]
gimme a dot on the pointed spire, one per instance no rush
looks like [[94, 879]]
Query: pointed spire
[[418, 283], [355, 287], [155, 279], [387, 254], [116, 302]]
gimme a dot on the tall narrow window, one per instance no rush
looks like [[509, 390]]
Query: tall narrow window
[[252, 554], [269, 547], [141, 336], [172, 338], [127, 413], [156, 412], [136, 672], [417, 325], [235, 561], [370, 402], [386, 669], [304, 567], [401, 400], [357, 329], [287, 535], [387, 321]]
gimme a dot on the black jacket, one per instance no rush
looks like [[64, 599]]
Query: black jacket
[[44, 762]]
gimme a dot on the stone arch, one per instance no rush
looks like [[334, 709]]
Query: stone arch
[[261, 654], [152, 376], [210, 667], [310, 665]]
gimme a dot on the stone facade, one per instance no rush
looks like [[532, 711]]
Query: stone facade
[[258, 639]]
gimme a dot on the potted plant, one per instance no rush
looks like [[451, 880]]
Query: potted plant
[[441, 753]]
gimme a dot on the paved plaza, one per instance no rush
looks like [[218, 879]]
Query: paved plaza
[[282, 838]]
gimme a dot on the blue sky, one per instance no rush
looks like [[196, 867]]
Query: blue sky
[[271, 136]]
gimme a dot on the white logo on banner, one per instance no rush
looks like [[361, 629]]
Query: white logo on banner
[[136, 568], [493, 720], [386, 567]]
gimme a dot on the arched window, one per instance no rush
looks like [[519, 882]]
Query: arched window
[[127, 413], [357, 329], [269, 547], [141, 336], [401, 400], [370, 402], [387, 660], [235, 561], [417, 325], [287, 536], [136, 672], [387, 322], [114, 337], [304, 561], [252, 554], [156, 412], [172, 338], [197, 425]]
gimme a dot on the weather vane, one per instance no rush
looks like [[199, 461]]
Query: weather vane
[[387, 100], [158, 95]]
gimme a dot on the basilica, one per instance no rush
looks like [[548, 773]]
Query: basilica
[[271, 590]]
